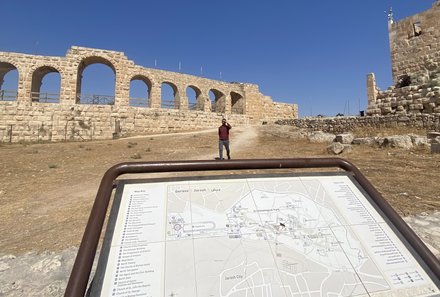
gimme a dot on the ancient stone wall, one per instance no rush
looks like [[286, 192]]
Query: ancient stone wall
[[346, 124], [415, 45], [412, 99], [415, 57], [29, 116]]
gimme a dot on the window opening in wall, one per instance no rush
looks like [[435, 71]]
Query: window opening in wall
[[403, 81], [140, 92], [417, 28], [195, 101], [96, 84], [169, 96], [8, 82], [46, 85], [218, 101], [237, 103]]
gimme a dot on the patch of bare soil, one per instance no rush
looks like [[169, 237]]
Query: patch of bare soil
[[47, 190]]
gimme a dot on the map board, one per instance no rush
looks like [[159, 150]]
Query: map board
[[267, 236]]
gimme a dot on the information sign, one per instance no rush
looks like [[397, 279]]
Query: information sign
[[269, 236]]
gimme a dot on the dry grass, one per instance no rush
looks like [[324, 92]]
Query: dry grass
[[387, 131], [43, 208]]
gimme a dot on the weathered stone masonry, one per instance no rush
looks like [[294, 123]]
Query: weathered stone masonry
[[415, 58], [30, 119], [428, 122]]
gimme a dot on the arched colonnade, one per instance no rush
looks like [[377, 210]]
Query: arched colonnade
[[187, 92]]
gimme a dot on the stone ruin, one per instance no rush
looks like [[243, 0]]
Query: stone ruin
[[415, 58], [27, 114]]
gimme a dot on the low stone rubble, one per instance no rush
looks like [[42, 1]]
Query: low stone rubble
[[350, 123], [408, 141], [394, 141]]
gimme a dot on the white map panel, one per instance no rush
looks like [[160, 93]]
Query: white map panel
[[267, 237]]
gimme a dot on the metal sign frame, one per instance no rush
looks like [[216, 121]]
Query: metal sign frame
[[80, 274]]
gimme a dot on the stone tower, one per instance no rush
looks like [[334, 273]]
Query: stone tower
[[415, 57], [415, 45]]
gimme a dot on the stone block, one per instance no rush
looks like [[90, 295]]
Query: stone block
[[398, 141], [386, 110], [435, 148], [346, 138], [419, 140], [364, 140], [337, 148]]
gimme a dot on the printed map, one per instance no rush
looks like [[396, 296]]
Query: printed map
[[266, 237]]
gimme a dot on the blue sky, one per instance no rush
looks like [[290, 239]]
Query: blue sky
[[314, 54]]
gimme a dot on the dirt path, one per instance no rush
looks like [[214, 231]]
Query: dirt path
[[246, 139], [241, 139]]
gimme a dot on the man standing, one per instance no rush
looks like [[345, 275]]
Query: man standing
[[223, 135]]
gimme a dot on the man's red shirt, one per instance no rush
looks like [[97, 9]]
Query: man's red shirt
[[223, 131]]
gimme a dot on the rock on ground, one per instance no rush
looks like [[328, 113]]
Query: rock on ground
[[38, 275], [337, 148], [364, 141], [346, 138], [319, 136], [399, 141]]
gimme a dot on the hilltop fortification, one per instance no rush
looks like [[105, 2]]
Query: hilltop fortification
[[415, 57]]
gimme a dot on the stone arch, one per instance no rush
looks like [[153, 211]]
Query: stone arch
[[168, 102], [237, 103], [38, 76], [8, 95], [218, 101], [106, 99], [140, 100], [55, 66], [196, 103]]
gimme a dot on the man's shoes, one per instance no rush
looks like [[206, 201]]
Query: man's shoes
[[229, 158]]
